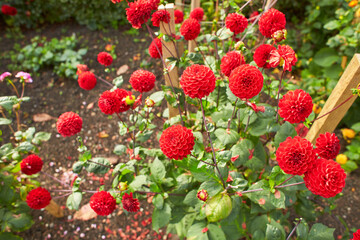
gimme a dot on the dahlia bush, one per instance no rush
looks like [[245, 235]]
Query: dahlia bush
[[234, 162]]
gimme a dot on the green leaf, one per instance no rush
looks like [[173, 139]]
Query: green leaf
[[326, 57], [120, 149], [274, 233], [218, 207], [5, 121], [21, 222], [212, 187], [215, 232], [321, 232], [195, 232], [191, 198], [25, 147], [77, 167], [286, 130], [158, 201], [302, 231], [161, 217], [74, 200], [9, 236], [224, 33], [98, 167], [227, 137], [158, 170], [278, 199], [41, 137], [349, 166], [144, 136], [334, 24], [157, 97], [138, 183]]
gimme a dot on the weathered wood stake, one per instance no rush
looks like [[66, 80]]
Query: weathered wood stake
[[192, 43], [54, 209]]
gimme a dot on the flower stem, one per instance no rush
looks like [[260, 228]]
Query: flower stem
[[11, 129], [278, 96], [294, 229], [99, 164], [285, 181], [104, 81], [232, 116], [283, 186], [56, 179], [15, 89], [23, 90]]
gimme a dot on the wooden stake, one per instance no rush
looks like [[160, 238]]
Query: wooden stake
[[168, 51], [192, 43], [179, 5], [350, 79], [54, 209]]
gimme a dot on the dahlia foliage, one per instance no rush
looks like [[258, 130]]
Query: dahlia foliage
[[229, 151]]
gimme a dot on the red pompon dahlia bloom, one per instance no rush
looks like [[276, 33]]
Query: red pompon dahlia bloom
[[262, 55], [122, 94], [38, 198], [197, 13], [356, 235], [160, 16], [295, 155], [129, 203], [81, 68], [105, 59], [326, 178], [295, 106], [190, 29], [109, 102], [139, 12], [237, 23], [271, 21], [327, 146], [253, 16], [284, 56], [31, 164], [69, 124], [198, 81], [179, 16], [155, 47], [246, 81], [102, 203], [142, 80], [176, 142], [87, 80], [231, 61], [8, 10]]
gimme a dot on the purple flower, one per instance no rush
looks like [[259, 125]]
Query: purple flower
[[24, 75], [4, 75]]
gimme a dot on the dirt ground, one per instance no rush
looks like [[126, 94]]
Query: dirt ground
[[53, 95]]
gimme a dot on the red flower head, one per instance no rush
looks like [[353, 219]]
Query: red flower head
[[197, 13], [69, 124], [231, 61], [295, 106], [246, 81], [105, 59], [179, 16], [38, 198], [301, 130], [81, 68], [190, 29], [139, 12], [122, 94], [160, 16], [31, 164], [326, 178], [87, 80], [109, 102], [176, 142], [262, 55], [356, 235], [237, 23], [153, 48], [102, 203], [198, 81], [202, 195], [129, 203], [142, 80], [253, 16], [295, 155], [283, 56], [8, 10], [271, 21], [327, 146]]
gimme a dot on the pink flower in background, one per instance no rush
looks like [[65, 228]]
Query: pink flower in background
[[4, 75], [24, 75]]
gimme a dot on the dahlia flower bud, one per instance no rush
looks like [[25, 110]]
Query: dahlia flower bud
[[279, 35], [81, 68], [123, 186], [202, 195], [341, 159], [240, 46], [149, 102], [129, 100]]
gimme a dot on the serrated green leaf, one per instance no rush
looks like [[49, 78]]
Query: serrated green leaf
[[161, 217], [74, 200], [158, 170]]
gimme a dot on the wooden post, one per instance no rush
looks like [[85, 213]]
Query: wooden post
[[192, 43], [179, 5], [350, 79], [168, 51], [54, 209]]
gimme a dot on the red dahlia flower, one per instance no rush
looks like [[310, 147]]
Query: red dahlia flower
[[114, 102], [87, 80], [231, 61], [139, 12], [326, 178], [262, 55], [295, 155], [105, 59], [356, 235], [271, 21], [284, 56], [102, 203], [31, 164], [176, 142], [129, 203], [38, 198], [198, 81], [81, 68], [237, 23], [142, 80], [253, 16], [327, 146], [155, 47], [160, 16], [197, 13], [179, 16], [122, 94], [301, 130], [246, 81], [190, 29], [69, 124], [8, 10], [295, 106]]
